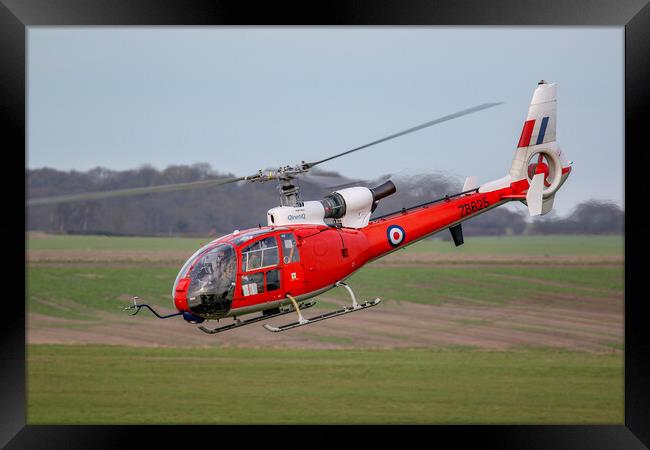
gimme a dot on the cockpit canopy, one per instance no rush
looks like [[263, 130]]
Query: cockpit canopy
[[212, 271]]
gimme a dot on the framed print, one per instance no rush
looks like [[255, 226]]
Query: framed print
[[514, 351]]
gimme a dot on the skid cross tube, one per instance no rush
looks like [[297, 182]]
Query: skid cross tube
[[295, 305], [355, 305]]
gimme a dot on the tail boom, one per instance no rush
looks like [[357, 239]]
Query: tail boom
[[402, 228]]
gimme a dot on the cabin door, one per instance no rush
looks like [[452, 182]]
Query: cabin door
[[293, 273]]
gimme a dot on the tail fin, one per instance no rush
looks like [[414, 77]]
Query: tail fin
[[538, 152]]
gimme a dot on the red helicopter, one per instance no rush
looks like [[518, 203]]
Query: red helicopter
[[310, 247]]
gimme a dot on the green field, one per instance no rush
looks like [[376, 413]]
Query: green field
[[102, 385], [262, 383]]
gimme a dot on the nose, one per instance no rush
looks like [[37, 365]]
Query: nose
[[180, 295]]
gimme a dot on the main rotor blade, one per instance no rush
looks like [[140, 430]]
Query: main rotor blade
[[410, 130], [132, 191]]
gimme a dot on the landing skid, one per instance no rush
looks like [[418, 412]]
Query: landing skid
[[340, 312], [240, 323], [302, 321]]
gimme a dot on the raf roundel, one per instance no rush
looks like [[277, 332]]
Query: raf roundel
[[396, 235]]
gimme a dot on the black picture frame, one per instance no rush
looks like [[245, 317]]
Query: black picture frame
[[17, 15]]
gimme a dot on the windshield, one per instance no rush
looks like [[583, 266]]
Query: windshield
[[187, 264], [212, 280]]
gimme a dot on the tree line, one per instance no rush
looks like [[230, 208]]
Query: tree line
[[220, 210]]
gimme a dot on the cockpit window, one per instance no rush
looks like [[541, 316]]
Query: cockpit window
[[289, 248], [212, 281], [263, 253]]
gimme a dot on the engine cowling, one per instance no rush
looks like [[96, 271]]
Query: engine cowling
[[309, 213], [353, 206]]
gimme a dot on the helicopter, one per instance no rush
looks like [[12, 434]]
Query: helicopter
[[310, 247]]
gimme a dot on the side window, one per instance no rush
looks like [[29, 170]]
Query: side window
[[273, 280], [252, 284], [289, 248], [263, 253]]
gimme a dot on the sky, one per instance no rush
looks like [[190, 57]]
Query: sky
[[248, 98]]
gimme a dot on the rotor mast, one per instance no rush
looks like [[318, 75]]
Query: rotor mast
[[290, 194]]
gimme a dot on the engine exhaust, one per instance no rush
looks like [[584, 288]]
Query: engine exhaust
[[383, 190]]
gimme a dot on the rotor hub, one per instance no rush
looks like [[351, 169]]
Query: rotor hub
[[541, 167]]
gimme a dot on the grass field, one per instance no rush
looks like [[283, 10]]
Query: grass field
[[199, 386], [501, 330]]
